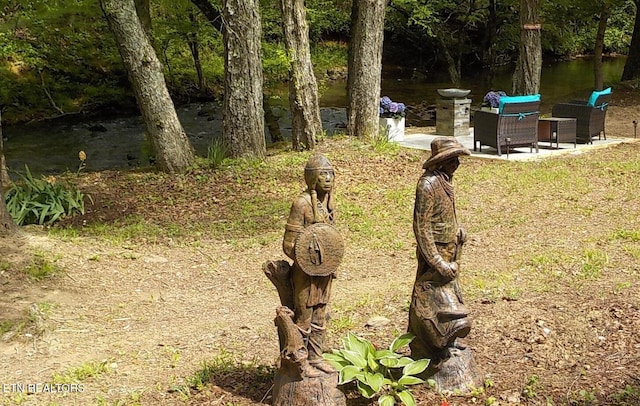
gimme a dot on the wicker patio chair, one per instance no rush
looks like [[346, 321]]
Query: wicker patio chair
[[589, 118], [516, 126]]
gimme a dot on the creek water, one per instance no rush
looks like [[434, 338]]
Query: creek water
[[52, 147]]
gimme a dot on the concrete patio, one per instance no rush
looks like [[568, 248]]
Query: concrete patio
[[423, 141]]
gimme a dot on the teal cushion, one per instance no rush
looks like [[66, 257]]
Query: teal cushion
[[596, 94], [516, 99]]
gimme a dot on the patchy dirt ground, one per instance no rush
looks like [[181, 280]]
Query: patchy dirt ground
[[145, 312]]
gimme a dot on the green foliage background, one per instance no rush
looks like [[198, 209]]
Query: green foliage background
[[58, 55]]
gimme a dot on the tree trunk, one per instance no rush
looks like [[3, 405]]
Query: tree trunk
[[526, 78], [7, 225], [144, 14], [632, 66], [243, 113], [271, 120], [303, 89], [365, 67], [4, 174], [452, 66], [599, 46], [210, 12], [192, 40], [489, 54], [173, 150]]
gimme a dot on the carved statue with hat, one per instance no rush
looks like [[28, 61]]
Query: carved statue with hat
[[437, 314], [304, 287]]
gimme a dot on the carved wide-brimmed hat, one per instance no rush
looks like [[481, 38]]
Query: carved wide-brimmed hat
[[319, 249], [443, 148]]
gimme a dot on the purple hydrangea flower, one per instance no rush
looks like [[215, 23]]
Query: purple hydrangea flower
[[493, 98], [390, 108], [385, 102]]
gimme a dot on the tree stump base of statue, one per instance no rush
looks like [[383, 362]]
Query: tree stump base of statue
[[298, 381], [455, 371], [289, 389]]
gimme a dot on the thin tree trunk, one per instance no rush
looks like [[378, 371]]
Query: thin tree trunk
[[173, 150], [192, 40], [526, 78], [599, 46], [243, 113], [489, 54], [632, 66], [303, 88], [365, 67], [452, 66]]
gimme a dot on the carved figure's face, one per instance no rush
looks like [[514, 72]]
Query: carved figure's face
[[450, 165], [325, 181]]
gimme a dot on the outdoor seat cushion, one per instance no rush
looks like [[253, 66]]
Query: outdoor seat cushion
[[595, 94], [517, 99]]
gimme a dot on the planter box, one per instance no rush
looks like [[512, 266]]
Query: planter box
[[491, 109], [393, 128]]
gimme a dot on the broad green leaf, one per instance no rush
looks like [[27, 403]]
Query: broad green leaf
[[369, 347], [415, 367], [385, 354], [410, 380], [333, 356], [355, 358], [407, 398], [336, 360], [365, 390], [401, 341], [372, 363], [355, 343], [390, 362], [375, 381], [386, 400], [404, 361], [348, 374]]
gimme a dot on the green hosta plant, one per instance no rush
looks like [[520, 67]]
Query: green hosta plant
[[383, 372], [42, 201]]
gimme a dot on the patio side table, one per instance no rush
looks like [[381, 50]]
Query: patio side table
[[557, 129]]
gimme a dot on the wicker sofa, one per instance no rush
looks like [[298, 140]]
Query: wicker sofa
[[515, 126], [589, 118]]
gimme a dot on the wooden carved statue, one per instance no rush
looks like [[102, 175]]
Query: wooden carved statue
[[304, 287], [437, 314]]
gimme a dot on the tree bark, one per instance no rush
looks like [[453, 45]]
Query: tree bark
[[365, 67], [173, 150], [599, 46], [4, 174], [194, 46], [144, 14], [7, 225], [210, 12], [243, 113], [632, 66], [303, 88], [526, 78]]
